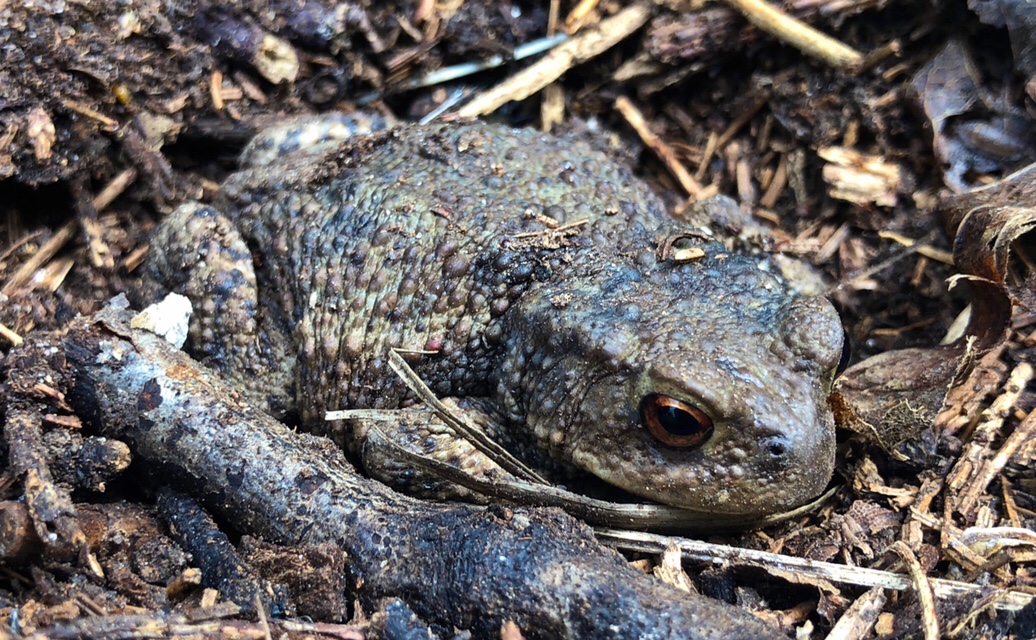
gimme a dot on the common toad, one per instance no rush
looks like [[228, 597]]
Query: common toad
[[520, 272]]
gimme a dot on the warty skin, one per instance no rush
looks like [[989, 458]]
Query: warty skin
[[568, 343]]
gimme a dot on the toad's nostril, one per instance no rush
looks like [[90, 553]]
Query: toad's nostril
[[776, 447]]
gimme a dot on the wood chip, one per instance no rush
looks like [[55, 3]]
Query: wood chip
[[860, 178], [67, 421], [706, 157], [41, 132], [7, 334], [978, 465], [777, 184], [216, 89], [670, 570], [276, 60], [109, 124], [25, 272], [510, 631], [114, 188], [51, 277], [552, 108]]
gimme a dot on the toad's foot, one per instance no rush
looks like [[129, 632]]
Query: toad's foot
[[420, 432], [198, 253]]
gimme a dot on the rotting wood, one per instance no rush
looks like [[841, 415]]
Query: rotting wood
[[222, 567], [978, 465], [51, 511]]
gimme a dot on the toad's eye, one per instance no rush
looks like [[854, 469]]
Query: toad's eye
[[675, 423]]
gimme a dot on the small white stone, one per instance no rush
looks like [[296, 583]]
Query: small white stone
[[168, 319]]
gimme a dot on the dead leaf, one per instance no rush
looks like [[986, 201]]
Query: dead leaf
[[1020, 19], [894, 395], [988, 223]]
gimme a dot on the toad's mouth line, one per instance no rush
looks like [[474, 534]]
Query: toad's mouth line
[[597, 512]]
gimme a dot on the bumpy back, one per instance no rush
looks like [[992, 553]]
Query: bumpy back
[[421, 238]]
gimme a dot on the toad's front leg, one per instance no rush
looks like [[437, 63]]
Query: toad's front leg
[[197, 252]]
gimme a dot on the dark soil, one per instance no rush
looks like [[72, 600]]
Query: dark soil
[[171, 90]]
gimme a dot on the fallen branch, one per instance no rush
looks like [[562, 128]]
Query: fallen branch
[[456, 566]]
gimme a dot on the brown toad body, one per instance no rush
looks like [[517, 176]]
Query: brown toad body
[[700, 384]]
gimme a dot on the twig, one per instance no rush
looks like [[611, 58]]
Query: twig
[[698, 551], [711, 144], [477, 437], [456, 96], [25, 272], [798, 34], [758, 101], [926, 250], [929, 621], [107, 123], [581, 48], [664, 152], [223, 566], [8, 334], [114, 188], [447, 74]]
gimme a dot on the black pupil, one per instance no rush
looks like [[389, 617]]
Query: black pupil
[[678, 422]]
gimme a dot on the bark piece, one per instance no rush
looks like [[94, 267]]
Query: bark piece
[[222, 567]]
